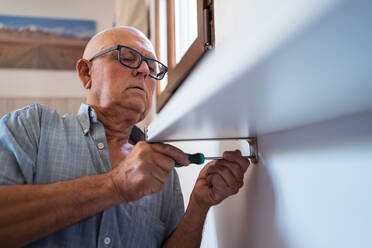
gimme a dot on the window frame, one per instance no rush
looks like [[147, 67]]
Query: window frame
[[177, 73]]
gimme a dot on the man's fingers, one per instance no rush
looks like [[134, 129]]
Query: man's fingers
[[155, 185], [236, 156], [159, 179], [171, 151], [203, 172], [220, 189], [164, 162], [160, 174], [224, 169], [217, 182], [235, 168]]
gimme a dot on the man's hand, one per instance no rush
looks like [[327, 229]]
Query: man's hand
[[145, 170], [219, 179]]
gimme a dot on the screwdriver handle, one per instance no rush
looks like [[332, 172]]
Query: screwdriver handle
[[196, 158]]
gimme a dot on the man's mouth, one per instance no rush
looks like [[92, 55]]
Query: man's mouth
[[137, 87]]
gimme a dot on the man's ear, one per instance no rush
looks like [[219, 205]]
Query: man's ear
[[83, 68]]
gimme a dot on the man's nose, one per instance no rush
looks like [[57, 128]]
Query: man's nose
[[143, 68]]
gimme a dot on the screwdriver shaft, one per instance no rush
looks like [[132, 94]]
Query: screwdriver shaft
[[199, 158], [213, 158]]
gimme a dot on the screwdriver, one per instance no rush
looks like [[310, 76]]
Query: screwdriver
[[199, 158]]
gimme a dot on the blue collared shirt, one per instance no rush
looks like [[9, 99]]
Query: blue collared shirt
[[38, 146]]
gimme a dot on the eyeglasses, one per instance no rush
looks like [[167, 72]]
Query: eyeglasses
[[133, 59]]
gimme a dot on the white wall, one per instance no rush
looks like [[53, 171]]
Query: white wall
[[51, 83], [312, 185], [311, 189]]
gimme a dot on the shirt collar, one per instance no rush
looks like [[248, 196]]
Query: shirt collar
[[88, 115]]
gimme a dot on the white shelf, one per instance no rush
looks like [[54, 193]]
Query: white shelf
[[295, 74]]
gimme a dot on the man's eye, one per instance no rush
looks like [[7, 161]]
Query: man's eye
[[128, 59], [129, 56], [151, 65]]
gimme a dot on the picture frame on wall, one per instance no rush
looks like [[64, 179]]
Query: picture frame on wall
[[43, 43]]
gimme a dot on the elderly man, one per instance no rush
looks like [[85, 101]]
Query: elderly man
[[89, 180]]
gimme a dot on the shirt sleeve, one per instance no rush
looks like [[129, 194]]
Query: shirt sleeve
[[19, 138]]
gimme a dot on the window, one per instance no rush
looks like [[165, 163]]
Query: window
[[189, 32]]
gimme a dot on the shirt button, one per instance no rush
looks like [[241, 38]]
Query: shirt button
[[100, 145], [86, 130], [107, 240]]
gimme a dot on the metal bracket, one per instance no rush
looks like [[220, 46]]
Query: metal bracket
[[145, 130], [253, 149], [252, 142]]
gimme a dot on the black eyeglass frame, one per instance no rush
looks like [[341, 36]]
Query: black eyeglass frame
[[143, 58]]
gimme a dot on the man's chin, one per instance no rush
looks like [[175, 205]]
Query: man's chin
[[136, 109], [133, 108]]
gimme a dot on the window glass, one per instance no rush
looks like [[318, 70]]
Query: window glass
[[186, 26], [163, 42]]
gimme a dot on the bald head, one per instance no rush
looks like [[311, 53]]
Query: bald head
[[115, 36], [115, 90]]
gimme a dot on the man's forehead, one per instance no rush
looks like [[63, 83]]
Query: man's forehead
[[140, 45], [119, 36]]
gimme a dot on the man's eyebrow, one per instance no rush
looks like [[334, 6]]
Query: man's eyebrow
[[152, 57], [146, 53], [149, 55]]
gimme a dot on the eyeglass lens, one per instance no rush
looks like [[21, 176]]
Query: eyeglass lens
[[132, 59]]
